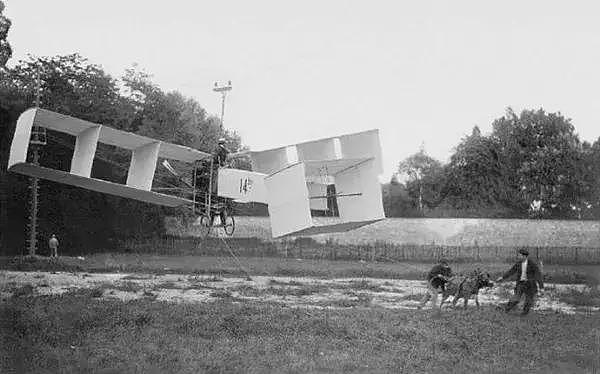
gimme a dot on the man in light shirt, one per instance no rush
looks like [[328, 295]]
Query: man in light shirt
[[528, 278], [53, 244]]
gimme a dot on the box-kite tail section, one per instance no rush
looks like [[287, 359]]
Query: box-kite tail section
[[145, 154], [295, 185]]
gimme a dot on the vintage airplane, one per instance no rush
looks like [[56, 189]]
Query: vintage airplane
[[291, 180]]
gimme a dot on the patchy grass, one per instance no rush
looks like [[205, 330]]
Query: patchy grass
[[298, 291], [40, 263], [249, 291], [412, 297], [137, 277], [275, 282], [261, 337], [301, 290], [126, 286], [588, 297], [166, 285], [196, 286], [95, 292], [23, 291], [365, 285], [217, 267], [76, 333], [223, 294]]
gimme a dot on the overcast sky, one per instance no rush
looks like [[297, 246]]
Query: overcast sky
[[419, 71]]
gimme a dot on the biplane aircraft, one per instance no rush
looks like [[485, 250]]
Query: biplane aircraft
[[292, 180]]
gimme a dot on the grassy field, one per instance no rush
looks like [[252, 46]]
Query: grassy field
[[82, 332], [78, 333]]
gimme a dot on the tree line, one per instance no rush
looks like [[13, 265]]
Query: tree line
[[74, 86], [531, 165]]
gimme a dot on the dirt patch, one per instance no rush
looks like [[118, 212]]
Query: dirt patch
[[289, 291]]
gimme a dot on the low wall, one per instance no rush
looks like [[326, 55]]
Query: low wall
[[397, 239], [440, 231]]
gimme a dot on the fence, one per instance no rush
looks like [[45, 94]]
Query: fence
[[307, 248]]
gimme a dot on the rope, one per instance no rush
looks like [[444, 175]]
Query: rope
[[235, 258]]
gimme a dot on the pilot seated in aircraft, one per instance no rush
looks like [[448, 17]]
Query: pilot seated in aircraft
[[207, 177], [207, 174], [221, 155], [221, 160]]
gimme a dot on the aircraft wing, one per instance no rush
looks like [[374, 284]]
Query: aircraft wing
[[292, 180], [145, 153], [297, 176]]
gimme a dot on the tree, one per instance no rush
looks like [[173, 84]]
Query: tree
[[396, 200], [590, 207], [541, 162], [425, 178], [474, 175], [174, 118], [5, 49], [73, 86]]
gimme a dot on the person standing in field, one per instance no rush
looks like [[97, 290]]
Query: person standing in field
[[436, 279], [53, 244], [529, 277]]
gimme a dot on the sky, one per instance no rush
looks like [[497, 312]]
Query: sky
[[422, 72]]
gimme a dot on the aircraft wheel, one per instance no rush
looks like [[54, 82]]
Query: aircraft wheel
[[205, 224], [229, 225]]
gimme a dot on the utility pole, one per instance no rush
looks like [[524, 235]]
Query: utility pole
[[37, 140], [223, 90]]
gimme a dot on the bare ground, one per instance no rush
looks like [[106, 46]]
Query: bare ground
[[308, 292]]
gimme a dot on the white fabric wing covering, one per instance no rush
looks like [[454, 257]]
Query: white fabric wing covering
[[361, 145], [145, 154], [269, 161], [242, 185], [366, 206], [353, 169], [351, 162], [358, 195], [289, 208], [317, 150]]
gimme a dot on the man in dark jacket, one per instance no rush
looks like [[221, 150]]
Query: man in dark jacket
[[436, 279], [529, 277], [222, 154], [220, 158]]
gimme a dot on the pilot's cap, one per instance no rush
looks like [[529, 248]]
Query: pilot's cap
[[524, 252]]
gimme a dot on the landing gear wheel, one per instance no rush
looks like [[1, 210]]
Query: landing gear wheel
[[229, 225], [204, 224]]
